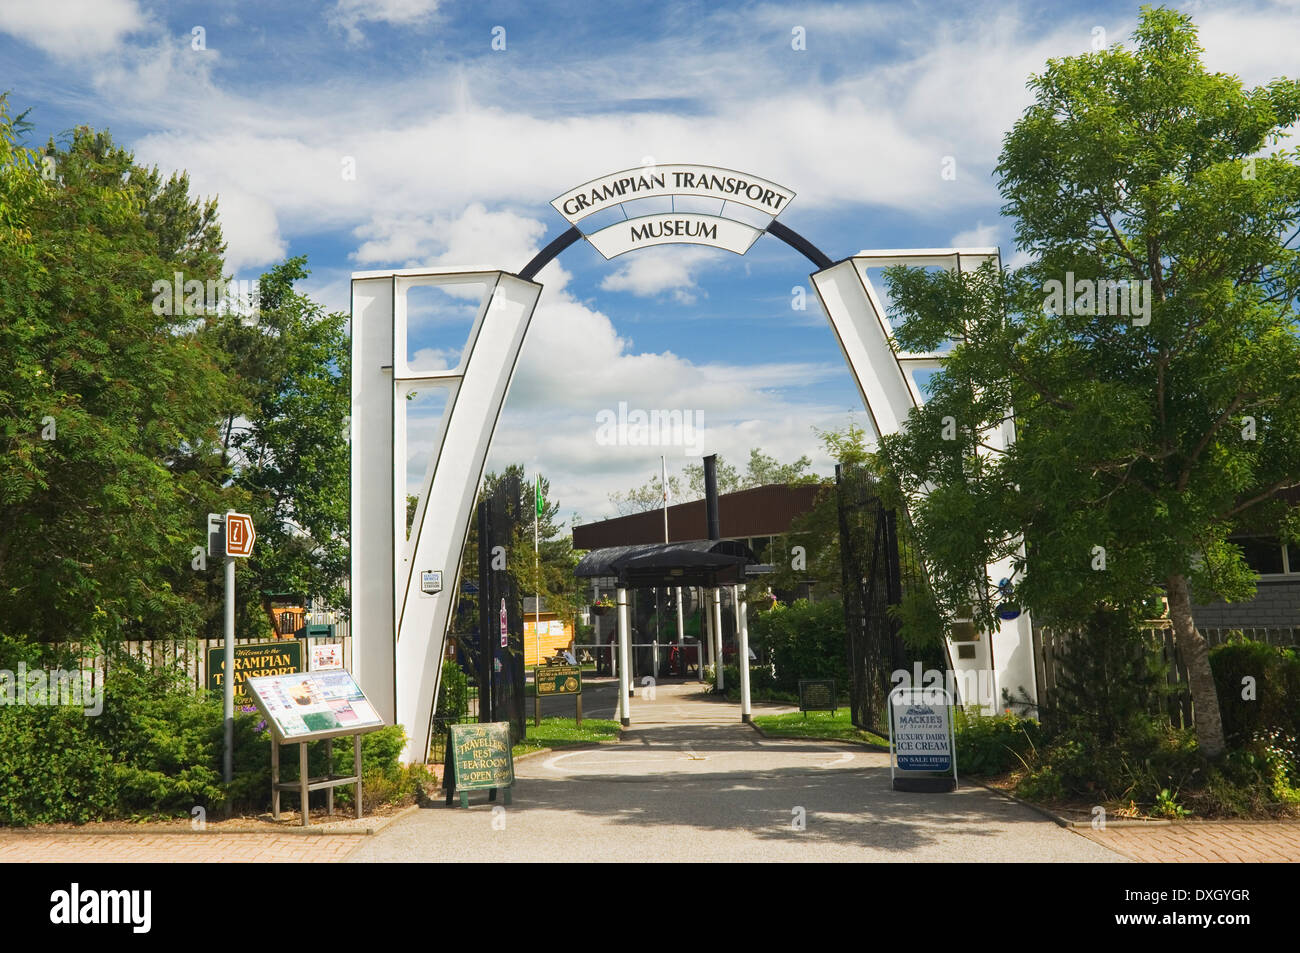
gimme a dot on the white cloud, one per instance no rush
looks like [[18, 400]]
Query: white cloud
[[656, 270], [348, 13], [250, 230], [72, 28], [981, 236]]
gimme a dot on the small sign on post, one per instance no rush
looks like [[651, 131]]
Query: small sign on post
[[240, 535], [556, 680], [921, 742], [817, 694]]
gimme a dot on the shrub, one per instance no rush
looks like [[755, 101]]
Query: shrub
[[762, 683], [166, 740], [453, 696], [1276, 702], [156, 749], [806, 640], [992, 745], [52, 770]]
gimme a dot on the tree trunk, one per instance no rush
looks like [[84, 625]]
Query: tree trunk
[[1196, 656]]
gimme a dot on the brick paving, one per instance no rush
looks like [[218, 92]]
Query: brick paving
[[176, 848], [1202, 842]]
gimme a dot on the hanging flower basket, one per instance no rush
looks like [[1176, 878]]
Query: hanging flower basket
[[603, 607]]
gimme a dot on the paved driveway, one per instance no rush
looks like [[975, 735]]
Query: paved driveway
[[690, 783]]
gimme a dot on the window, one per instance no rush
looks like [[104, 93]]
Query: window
[[1263, 555]]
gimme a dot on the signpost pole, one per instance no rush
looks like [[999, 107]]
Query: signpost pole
[[228, 680]]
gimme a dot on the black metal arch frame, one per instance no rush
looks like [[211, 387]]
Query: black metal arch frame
[[787, 235]]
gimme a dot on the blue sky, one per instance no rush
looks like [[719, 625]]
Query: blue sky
[[458, 149]]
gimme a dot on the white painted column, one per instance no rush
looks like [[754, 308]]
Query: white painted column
[[624, 679], [717, 637], [706, 634], [742, 635]]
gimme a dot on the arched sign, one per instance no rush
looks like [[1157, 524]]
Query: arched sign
[[658, 181], [399, 628]]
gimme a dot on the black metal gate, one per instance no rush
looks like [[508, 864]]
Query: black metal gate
[[500, 661], [874, 575]]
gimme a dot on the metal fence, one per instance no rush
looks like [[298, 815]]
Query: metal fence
[[440, 729], [878, 566]]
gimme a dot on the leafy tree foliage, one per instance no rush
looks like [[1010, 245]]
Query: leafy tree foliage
[[100, 396], [1143, 439], [127, 416], [761, 470]]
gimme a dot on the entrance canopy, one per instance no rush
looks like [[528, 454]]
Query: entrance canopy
[[705, 562]]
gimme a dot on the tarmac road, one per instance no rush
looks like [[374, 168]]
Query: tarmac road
[[688, 782]]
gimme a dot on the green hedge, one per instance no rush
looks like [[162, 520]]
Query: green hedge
[[1276, 674], [805, 640], [994, 744], [156, 749]]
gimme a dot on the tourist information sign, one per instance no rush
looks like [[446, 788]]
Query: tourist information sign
[[551, 680], [817, 694]]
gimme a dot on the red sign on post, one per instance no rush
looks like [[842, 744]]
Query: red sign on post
[[239, 534]]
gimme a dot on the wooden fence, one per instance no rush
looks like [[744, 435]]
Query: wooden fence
[[1049, 645], [190, 655]]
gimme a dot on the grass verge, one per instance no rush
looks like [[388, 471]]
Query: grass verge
[[825, 725], [564, 732]]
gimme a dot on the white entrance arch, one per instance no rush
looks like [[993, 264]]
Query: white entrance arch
[[398, 626]]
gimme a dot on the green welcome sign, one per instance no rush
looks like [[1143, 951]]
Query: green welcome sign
[[558, 680], [253, 660]]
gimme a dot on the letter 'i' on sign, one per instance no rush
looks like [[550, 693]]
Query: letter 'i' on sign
[[239, 534]]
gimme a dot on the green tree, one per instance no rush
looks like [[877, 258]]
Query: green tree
[[817, 530], [761, 470], [284, 435], [552, 575], [1143, 439], [102, 398]]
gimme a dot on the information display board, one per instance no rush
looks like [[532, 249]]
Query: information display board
[[480, 759], [310, 705], [558, 680], [921, 740], [252, 660], [817, 694]]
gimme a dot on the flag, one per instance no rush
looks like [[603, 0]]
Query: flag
[[541, 503]]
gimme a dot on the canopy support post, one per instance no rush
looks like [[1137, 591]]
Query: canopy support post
[[624, 686], [717, 637], [742, 634]]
